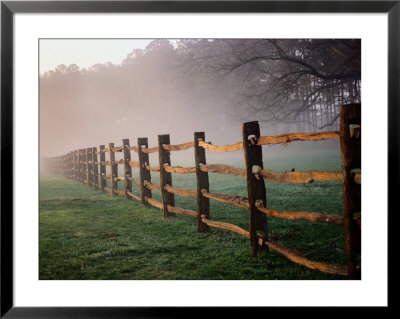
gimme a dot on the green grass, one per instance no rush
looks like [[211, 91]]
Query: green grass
[[86, 234]]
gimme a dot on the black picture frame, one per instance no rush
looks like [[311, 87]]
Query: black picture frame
[[9, 8]]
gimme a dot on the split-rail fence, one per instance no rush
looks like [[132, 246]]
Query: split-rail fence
[[84, 165]]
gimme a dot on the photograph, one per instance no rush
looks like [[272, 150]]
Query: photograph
[[161, 159], [200, 159]]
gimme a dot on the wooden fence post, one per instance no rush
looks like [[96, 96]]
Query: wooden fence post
[[255, 186], [103, 177], [88, 166], [66, 160], [350, 146], [203, 203], [70, 169], [82, 165], [113, 169], [144, 172], [95, 168], [78, 162], [165, 177], [68, 165], [127, 168]]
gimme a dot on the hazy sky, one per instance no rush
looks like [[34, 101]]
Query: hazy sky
[[85, 52]]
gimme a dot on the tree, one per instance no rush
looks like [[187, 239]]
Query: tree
[[290, 80]]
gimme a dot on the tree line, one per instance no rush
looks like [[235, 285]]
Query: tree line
[[203, 84]]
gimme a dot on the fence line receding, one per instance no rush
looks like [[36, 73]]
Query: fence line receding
[[85, 166]]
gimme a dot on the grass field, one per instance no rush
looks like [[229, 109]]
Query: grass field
[[86, 234]]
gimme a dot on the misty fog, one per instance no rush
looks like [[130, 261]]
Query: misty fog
[[185, 88]]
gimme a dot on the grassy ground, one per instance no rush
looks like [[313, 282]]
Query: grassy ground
[[85, 234]]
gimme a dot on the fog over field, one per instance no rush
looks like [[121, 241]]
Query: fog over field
[[184, 86]]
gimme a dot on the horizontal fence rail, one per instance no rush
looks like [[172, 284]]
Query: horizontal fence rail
[[85, 166]]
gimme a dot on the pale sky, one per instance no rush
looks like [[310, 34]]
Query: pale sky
[[85, 52]]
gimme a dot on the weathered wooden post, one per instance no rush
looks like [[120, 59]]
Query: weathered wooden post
[[88, 166], [66, 161], [78, 155], [95, 168], [144, 172], [255, 187], [113, 169], [69, 164], [127, 168], [66, 165], [103, 177], [165, 177], [82, 165], [203, 203], [350, 146], [84, 158]]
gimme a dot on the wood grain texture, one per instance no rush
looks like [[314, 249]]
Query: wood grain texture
[[224, 148], [127, 168], [152, 186], [291, 137], [256, 192], [153, 168], [113, 168], [181, 211], [223, 169], [95, 168], [229, 199], [144, 173], [180, 192], [164, 159], [202, 202], [310, 216], [153, 202], [350, 147], [150, 150], [134, 196], [227, 226], [178, 147], [103, 181], [300, 177], [179, 170], [298, 258]]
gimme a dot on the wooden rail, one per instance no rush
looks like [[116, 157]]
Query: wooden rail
[[292, 137], [177, 210], [179, 170], [298, 258], [234, 200], [180, 192], [178, 147], [223, 169], [134, 196], [83, 165], [227, 226]]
